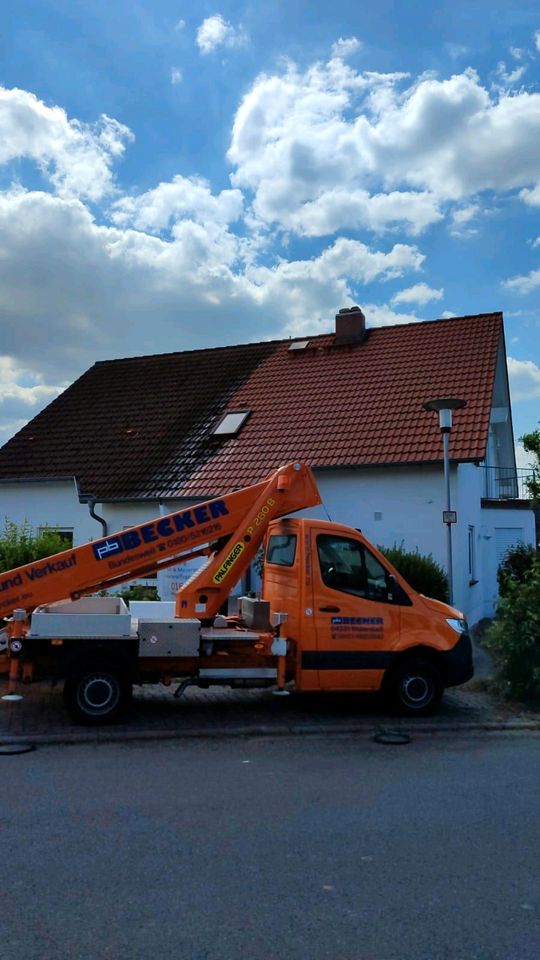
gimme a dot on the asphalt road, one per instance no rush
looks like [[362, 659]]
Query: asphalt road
[[297, 849]]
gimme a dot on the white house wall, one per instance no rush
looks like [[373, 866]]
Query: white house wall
[[52, 503], [390, 506]]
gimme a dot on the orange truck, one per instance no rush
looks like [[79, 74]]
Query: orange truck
[[333, 613]]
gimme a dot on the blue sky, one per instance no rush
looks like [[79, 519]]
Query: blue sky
[[176, 175]]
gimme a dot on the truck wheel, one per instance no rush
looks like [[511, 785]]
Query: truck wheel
[[416, 687], [97, 693]]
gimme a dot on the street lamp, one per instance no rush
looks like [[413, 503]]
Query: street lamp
[[444, 407]]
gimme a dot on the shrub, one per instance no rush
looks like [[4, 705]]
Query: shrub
[[421, 571], [20, 544], [139, 592], [516, 564], [514, 636]]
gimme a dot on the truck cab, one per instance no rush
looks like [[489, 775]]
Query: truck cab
[[355, 623]]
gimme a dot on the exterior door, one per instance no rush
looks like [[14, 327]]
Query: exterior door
[[357, 623]]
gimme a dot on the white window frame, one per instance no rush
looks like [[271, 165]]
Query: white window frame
[[60, 530]]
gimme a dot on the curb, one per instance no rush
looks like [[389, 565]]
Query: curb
[[267, 732]]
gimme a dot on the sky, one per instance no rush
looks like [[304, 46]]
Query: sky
[[178, 175]]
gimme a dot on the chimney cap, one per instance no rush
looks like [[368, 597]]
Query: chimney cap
[[350, 310]]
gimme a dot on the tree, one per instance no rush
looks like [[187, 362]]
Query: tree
[[20, 544], [531, 444]]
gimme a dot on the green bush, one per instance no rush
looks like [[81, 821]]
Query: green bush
[[20, 545], [138, 592], [516, 565], [421, 571], [514, 636]]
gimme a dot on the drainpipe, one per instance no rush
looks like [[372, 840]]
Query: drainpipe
[[101, 520], [91, 502]]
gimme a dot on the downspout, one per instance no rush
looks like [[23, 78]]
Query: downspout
[[101, 520], [89, 499]]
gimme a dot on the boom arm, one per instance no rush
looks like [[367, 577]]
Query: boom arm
[[241, 517]]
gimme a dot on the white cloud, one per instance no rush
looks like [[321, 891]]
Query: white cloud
[[535, 243], [517, 53], [22, 395], [176, 76], [181, 198], [75, 157], [296, 135], [73, 291], [537, 40], [180, 24], [216, 32], [524, 460], [524, 379], [531, 197], [523, 284], [345, 47], [419, 293], [448, 314], [508, 78], [461, 221], [338, 209], [456, 50]]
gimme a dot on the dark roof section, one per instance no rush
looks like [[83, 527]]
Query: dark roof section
[[126, 428], [141, 427]]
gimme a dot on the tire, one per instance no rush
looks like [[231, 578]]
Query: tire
[[416, 687], [97, 693]]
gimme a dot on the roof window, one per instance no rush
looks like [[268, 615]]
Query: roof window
[[299, 345], [231, 423]]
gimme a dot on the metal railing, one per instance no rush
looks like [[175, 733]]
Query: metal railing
[[506, 483]]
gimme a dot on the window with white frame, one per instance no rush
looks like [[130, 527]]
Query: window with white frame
[[65, 534]]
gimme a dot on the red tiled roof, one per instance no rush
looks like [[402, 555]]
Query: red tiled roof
[[141, 427]]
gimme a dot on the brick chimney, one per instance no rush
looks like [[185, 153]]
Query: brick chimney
[[350, 325]]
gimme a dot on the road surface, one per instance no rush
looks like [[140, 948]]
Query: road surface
[[289, 849]]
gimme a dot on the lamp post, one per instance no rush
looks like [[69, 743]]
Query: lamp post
[[444, 406]]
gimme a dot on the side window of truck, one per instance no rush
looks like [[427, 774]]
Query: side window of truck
[[349, 566], [342, 565], [281, 549]]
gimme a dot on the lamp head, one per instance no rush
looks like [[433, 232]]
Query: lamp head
[[444, 407]]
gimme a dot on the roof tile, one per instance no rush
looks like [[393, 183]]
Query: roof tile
[[140, 427]]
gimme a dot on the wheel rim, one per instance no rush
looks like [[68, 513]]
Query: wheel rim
[[98, 694], [416, 690]]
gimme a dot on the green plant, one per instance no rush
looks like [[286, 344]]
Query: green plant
[[421, 571], [531, 444], [516, 564], [19, 544], [514, 636], [139, 592]]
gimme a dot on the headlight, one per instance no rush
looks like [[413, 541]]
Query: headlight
[[460, 626]]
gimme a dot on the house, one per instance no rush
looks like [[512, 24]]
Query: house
[[168, 430]]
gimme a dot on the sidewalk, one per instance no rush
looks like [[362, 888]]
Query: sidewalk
[[41, 718]]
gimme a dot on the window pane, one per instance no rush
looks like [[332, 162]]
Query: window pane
[[377, 575], [281, 549], [342, 564], [65, 533]]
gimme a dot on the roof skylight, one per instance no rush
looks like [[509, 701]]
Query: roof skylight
[[231, 423], [299, 345]]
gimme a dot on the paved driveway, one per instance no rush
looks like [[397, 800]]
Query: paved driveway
[[219, 711]]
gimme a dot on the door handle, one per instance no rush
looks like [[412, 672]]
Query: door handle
[[329, 609]]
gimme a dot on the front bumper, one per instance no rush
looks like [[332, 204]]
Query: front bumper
[[458, 662]]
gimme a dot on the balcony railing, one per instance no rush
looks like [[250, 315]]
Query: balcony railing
[[506, 483]]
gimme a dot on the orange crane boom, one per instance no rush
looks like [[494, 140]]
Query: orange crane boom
[[237, 522]]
